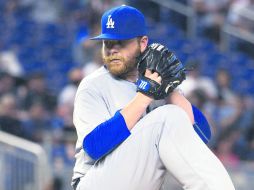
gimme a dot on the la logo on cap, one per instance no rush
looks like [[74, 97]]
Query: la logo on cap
[[110, 23], [121, 23]]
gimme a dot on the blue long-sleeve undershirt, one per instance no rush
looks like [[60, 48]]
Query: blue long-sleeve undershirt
[[106, 137], [201, 125]]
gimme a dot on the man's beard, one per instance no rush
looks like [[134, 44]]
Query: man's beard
[[122, 67]]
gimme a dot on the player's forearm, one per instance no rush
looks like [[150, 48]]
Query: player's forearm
[[178, 99], [109, 134], [134, 110], [197, 118]]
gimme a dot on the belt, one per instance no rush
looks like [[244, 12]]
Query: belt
[[76, 184]]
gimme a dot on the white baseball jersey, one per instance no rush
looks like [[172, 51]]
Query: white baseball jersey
[[98, 97]]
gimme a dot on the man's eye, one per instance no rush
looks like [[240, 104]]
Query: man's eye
[[110, 44], [122, 43]]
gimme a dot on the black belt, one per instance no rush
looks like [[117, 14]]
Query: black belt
[[76, 184]]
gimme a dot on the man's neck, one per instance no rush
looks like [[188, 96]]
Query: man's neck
[[132, 76]]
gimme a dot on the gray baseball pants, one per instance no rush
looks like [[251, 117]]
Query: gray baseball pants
[[164, 140]]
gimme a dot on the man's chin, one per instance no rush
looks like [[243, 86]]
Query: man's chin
[[116, 72], [118, 69], [115, 67]]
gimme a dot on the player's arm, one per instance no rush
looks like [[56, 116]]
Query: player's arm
[[197, 118], [136, 108], [106, 136], [178, 99]]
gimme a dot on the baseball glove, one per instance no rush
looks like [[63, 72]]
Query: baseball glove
[[158, 58]]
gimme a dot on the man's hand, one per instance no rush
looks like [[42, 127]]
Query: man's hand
[[161, 63]]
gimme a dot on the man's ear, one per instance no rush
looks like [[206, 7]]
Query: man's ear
[[143, 43]]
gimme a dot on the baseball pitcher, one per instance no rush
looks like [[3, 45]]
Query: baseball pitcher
[[132, 125]]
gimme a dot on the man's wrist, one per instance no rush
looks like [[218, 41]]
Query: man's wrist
[[145, 99]]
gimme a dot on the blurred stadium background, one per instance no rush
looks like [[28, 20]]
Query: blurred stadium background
[[45, 52]]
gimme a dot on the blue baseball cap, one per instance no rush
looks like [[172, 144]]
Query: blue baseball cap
[[122, 23]]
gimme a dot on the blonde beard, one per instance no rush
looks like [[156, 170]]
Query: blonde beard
[[122, 67], [115, 68]]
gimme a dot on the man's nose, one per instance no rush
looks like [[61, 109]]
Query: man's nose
[[113, 50]]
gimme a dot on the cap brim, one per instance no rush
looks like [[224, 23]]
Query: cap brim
[[112, 37]]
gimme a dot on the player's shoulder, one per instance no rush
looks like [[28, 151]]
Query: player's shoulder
[[97, 74], [95, 79]]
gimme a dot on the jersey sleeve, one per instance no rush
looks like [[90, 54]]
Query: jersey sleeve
[[90, 110]]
